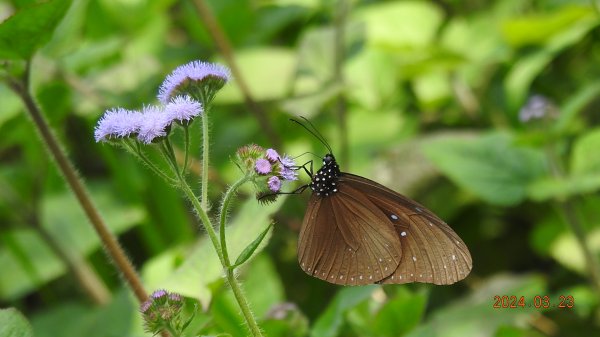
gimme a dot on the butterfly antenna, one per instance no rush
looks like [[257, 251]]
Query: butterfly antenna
[[313, 131]]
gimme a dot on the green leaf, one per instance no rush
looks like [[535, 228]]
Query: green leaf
[[201, 266], [330, 322], [400, 314], [31, 27], [527, 68], [249, 250], [575, 104], [585, 157], [490, 166], [567, 251], [14, 324]]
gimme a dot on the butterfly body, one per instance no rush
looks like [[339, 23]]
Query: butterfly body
[[356, 231]]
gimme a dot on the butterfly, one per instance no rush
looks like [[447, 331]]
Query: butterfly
[[356, 232]]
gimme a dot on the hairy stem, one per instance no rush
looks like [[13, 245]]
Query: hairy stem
[[205, 159], [67, 169], [223, 216]]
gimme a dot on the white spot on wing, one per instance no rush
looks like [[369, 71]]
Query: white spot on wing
[[394, 217], [403, 233]]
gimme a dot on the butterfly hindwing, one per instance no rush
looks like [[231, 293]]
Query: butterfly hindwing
[[346, 239], [431, 251]]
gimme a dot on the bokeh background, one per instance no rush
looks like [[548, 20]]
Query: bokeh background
[[485, 111]]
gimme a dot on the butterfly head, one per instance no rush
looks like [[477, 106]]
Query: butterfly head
[[325, 181]]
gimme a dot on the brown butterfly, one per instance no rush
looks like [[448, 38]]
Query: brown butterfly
[[356, 232]]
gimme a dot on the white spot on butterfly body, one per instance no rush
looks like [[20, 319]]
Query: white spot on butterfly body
[[394, 217], [403, 234]]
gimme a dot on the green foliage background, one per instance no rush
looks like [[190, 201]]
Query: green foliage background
[[433, 91]]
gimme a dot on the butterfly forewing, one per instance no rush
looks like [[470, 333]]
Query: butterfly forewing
[[345, 239], [431, 251]]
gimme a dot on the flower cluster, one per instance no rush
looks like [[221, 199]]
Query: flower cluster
[[268, 168], [162, 311], [208, 77], [178, 105]]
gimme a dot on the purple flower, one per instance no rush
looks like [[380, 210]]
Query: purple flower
[[144, 307], [286, 168], [274, 183], [196, 71], [262, 166], [154, 124], [183, 109], [117, 123], [158, 293], [272, 155], [536, 107]]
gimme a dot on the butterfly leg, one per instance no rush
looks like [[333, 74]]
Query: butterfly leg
[[309, 172]]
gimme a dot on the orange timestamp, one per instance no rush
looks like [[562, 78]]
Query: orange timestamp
[[538, 302]]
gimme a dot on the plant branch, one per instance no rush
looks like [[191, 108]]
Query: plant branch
[[67, 169]]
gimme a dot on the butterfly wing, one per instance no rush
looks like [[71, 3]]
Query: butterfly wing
[[345, 239], [431, 251]]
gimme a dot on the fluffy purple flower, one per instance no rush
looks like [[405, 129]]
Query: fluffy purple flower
[[274, 183], [183, 109], [262, 166], [194, 71], [272, 155], [117, 123], [154, 124], [286, 168], [158, 293]]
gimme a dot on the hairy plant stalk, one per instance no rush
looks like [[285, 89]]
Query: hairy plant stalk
[[223, 256], [111, 246]]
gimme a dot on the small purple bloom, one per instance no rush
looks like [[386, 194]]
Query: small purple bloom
[[183, 108], [193, 71], [159, 293], [286, 168], [274, 183], [175, 297], [144, 307], [262, 166], [117, 123], [272, 155], [536, 107], [154, 124]]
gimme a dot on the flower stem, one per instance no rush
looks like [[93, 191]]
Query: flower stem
[[186, 133], [221, 252], [67, 169], [205, 154], [223, 216]]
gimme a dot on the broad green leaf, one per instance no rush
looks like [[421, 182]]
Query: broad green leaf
[[201, 266], [475, 314], [267, 72], [14, 324], [330, 322], [31, 27], [490, 166], [585, 157], [30, 259], [369, 79]]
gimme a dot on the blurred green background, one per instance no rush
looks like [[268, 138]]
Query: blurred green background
[[430, 94]]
